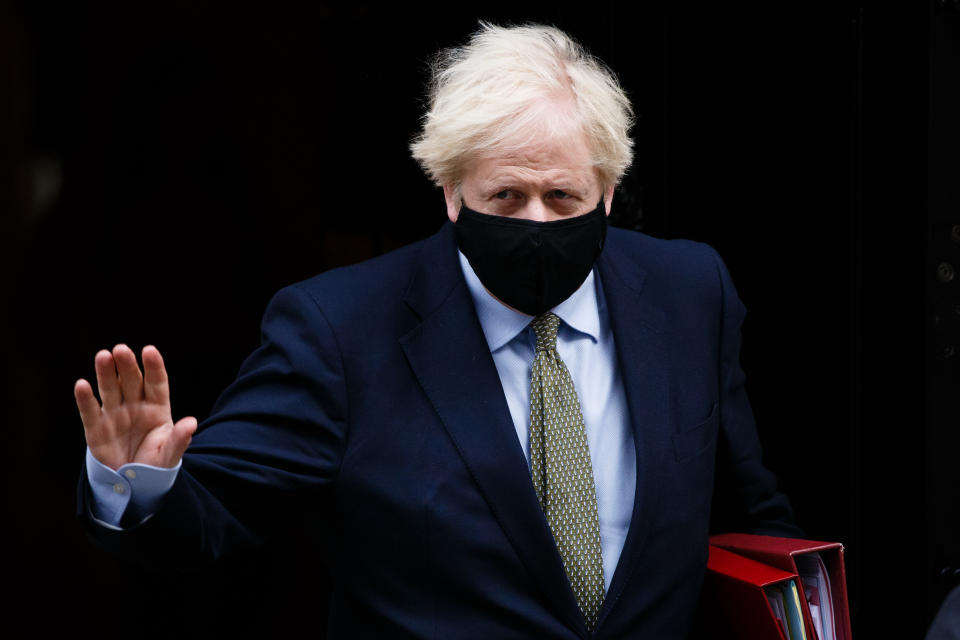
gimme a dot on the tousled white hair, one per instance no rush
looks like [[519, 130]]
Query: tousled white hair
[[510, 86]]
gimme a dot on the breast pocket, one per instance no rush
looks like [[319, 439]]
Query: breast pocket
[[692, 442]]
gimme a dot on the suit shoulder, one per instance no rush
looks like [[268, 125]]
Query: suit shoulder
[[357, 301], [383, 277], [672, 260], [688, 278]]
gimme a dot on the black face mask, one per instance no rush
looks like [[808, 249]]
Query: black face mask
[[532, 266]]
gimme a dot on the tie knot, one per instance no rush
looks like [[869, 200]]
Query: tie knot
[[545, 327]]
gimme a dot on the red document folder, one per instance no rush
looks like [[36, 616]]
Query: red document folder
[[734, 605], [781, 553]]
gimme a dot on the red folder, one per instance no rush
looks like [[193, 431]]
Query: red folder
[[734, 603], [781, 553]]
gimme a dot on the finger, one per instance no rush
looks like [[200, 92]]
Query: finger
[[180, 437], [156, 387], [107, 383], [131, 381], [87, 404]]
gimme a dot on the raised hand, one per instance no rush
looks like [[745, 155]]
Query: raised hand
[[135, 422]]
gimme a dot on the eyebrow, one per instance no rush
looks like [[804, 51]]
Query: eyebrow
[[511, 182]]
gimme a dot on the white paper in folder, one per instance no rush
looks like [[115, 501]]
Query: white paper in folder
[[819, 596]]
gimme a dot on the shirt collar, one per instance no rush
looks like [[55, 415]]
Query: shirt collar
[[501, 324]]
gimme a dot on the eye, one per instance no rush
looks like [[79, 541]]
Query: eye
[[503, 195], [558, 193]]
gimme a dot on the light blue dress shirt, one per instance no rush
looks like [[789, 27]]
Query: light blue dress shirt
[[585, 344], [133, 486]]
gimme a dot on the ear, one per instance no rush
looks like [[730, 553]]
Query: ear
[[608, 198], [453, 201]]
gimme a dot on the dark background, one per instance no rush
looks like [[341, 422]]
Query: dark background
[[166, 166]]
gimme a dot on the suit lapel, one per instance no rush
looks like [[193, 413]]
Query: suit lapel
[[453, 364], [638, 328]]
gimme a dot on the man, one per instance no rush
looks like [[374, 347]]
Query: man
[[513, 429]]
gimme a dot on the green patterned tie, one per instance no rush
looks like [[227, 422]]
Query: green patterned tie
[[560, 466]]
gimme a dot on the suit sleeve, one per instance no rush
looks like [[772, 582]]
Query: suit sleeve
[[746, 496], [272, 444]]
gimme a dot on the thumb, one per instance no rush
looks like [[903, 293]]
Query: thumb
[[181, 435]]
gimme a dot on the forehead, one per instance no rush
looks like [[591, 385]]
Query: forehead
[[551, 157]]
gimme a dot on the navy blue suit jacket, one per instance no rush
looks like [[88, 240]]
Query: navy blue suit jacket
[[374, 401]]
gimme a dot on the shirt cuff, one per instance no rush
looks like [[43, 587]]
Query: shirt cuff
[[136, 486]]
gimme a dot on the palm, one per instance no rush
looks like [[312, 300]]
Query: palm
[[135, 423], [141, 427]]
